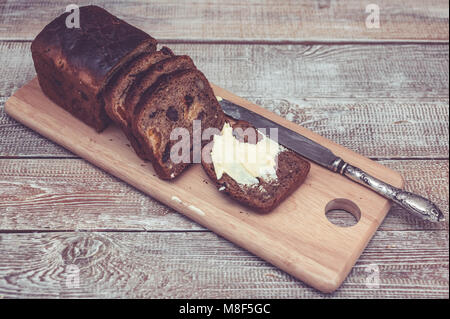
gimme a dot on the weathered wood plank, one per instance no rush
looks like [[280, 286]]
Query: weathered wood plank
[[202, 265], [384, 129], [428, 178], [352, 94], [410, 71], [18, 140], [231, 20], [70, 194]]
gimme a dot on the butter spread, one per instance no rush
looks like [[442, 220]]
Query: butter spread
[[244, 162]]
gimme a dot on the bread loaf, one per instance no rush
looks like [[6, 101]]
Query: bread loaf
[[74, 65]]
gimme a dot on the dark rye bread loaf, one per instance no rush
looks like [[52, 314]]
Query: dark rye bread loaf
[[120, 84], [144, 83], [175, 101], [292, 171], [75, 64]]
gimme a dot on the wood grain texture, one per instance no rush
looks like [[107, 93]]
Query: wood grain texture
[[351, 94], [231, 20], [284, 237], [203, 265], [71, 194], [376, 71]]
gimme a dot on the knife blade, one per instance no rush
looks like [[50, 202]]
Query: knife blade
[[413, 203]]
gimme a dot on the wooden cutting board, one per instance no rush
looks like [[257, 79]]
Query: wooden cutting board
[[296, 237]]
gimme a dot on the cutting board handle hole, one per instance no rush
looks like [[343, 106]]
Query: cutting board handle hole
[[342, 212]]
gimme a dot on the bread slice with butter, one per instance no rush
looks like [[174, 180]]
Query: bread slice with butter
[[256, 172]]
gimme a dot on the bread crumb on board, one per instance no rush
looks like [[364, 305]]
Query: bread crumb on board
[[190, 207], [196, 210], [176, 199]]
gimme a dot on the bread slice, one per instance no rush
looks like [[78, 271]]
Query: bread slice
[[175, 101], [74, 65], [117, 89], [167, 66], [291, 172], [144, 83]]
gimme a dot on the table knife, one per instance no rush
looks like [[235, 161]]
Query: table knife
[[413, 203]]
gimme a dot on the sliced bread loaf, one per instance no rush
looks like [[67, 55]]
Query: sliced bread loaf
[[175, 101], [266, 192]]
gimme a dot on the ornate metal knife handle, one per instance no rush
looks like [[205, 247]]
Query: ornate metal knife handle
[[415, 204]]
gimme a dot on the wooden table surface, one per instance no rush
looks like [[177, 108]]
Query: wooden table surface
[[382, 92]]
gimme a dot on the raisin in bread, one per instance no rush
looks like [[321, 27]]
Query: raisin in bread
[[268, 192], [145, 83], [74, 65], [175, 101]]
